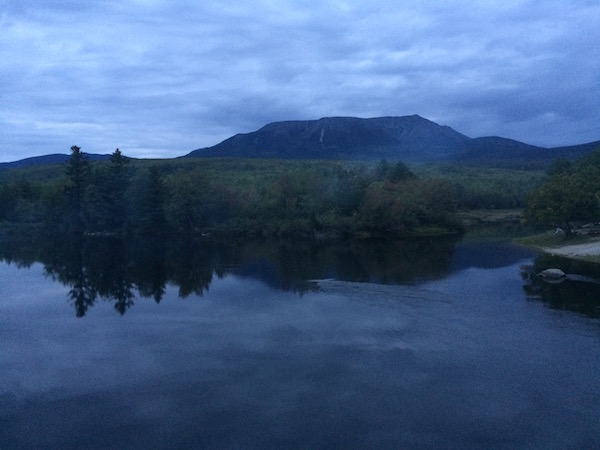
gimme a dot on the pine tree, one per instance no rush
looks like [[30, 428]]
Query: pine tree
[[116, 187], [152, 218], [78, 170]]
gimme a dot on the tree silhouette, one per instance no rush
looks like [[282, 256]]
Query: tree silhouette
[[152, 218], [78, 171], [116, 187]]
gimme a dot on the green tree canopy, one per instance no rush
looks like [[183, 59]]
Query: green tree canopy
[[568, 195]]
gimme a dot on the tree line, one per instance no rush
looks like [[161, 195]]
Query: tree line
[[308, 199], [245, 198], [570, 194]]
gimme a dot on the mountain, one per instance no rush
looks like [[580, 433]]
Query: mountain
[[410, 138], [407, 138], [55, 158], [575, 151], [501, 152]]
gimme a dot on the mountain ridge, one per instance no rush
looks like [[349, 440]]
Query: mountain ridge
[[411, 139], [52, 158], [406, 138]]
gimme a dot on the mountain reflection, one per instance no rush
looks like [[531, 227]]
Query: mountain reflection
[[122, 270]]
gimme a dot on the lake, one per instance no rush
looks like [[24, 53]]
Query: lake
[[433, 343]]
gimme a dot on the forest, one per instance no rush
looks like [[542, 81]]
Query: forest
[[569, 196], [301, 199]]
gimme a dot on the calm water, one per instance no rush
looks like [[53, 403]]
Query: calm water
[[430, 344]]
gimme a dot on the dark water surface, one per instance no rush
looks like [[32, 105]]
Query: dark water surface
[[429, 344]]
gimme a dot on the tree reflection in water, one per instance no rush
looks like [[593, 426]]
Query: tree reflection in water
[[92, 268], [122, 270]]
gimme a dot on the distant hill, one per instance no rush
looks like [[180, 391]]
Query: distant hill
[[497, 151], [407, 138], [501, 152], [55, 158]]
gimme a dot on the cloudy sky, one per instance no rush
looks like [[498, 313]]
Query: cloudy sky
[[159, 78]]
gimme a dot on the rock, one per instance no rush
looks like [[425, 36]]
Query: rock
[[552, 274]]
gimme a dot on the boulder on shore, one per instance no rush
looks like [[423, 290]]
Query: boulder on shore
[[552, 274]]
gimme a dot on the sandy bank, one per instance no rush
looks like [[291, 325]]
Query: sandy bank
[[587, 251]]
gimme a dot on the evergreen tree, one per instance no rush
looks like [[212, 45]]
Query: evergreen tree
[[399, 172], [115, 193], [78, 171], [152, 218]]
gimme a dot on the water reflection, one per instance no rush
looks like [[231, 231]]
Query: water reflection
[[120, 270], [578, 292]]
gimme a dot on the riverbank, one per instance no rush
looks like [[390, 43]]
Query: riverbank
[[589, 251], [580, 248]]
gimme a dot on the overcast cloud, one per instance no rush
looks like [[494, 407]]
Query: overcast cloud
[[161, 78]]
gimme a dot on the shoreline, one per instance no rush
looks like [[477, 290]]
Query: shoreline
[[579, 248], [589, 251]]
